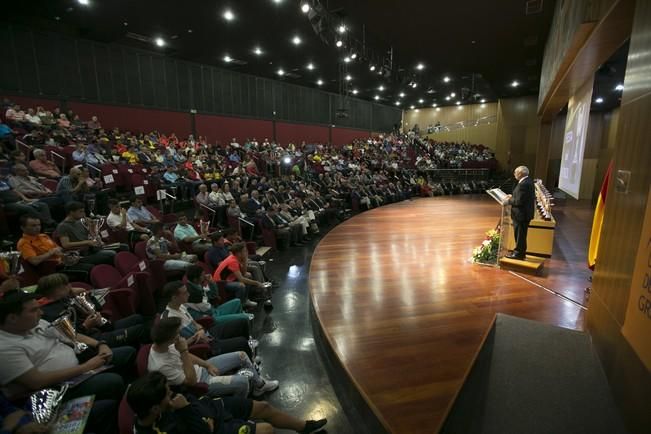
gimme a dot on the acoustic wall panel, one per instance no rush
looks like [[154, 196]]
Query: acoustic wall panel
[[171, 84], [133, 77], [158, 82], [9, 75], [185, 86], [46, 51], [26, 60], [146, 79], [87, 69], [119, 75], [104, 73]]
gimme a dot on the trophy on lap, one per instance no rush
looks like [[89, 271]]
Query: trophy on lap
[[93, 226], [204, 227], [86, 307], [66, 327], [12, 261], [46, 404]]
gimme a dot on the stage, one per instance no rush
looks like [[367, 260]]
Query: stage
[[403, 312]]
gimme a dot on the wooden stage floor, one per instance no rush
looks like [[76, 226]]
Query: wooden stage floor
[[405, 311]]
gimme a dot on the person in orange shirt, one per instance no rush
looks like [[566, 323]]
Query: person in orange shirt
[[40, 250]]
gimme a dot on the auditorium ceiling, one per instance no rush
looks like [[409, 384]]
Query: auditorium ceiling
[[483, 47]]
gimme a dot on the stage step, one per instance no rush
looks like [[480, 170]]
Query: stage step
[[531, 264], [262, 250]]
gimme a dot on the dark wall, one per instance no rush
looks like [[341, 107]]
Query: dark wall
[[50, 65]]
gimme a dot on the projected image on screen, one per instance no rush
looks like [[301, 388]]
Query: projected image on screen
[[576, 127]]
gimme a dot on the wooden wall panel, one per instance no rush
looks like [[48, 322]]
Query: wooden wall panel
[[517, 132], [630, 381]]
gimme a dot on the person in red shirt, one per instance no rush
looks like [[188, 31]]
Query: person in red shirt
[[230, 271]]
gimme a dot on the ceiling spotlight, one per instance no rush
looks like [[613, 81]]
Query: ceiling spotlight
[[348, 77], [347, 59], [189, 30], [619, 87], [447, 98], [515, 83], [397, 102], [377, 97], [310, 66], [414, 85], [420, 67], [257, 51], [599, 100], [458, 103], [278, 1], [339, 43], [296, 40], [160, 42], [281, 72], [227, 58], [446, 79], [412, 107], [83, 2], [353, 56], [483, 100], [305, 8], [319, 82], [341, 29], [228, 15], [355, 91], [402, 94], [371, 68], [381, 88], [420, 101]]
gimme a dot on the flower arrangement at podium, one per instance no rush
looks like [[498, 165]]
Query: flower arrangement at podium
[[486, 253]]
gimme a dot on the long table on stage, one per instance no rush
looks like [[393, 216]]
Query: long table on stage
[[404, 311]]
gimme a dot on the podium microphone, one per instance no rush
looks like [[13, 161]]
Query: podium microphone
[[502, 184]]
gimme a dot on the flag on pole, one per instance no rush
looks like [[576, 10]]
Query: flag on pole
[[598, 220]]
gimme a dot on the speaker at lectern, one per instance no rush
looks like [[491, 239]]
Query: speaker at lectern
[[505, 220]]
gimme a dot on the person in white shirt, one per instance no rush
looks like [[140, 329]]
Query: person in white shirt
[[32, 117], [170, 356], [118, 219]]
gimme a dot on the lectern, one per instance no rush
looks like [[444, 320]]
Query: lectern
[[505, 224]]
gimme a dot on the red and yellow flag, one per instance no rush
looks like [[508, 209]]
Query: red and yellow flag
[[598, 220]]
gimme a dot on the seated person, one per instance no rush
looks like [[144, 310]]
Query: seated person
[[224, 337], [57, 295], [74, 236], [158, 410], [202, 289], [185, 232], [218, 251], [158, 248], [139, 214], [37, 249], [44, 167], [230, 270], [31, 188], [36, 356], [13, 201], [118, 219], [169, 355], [73, 186]]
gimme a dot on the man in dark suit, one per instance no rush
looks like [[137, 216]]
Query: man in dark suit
[[522, 206]]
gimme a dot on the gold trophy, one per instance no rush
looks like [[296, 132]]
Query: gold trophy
[[66, 327], [12, 261], [86, 307], [203, 228], [93, 226]]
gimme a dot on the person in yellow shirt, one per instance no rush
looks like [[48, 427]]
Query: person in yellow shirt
[[131, 156]]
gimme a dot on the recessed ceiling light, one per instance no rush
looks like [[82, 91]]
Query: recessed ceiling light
[[452, 95], [305, 8], [319, 82], [599, 100], [412, 107], [446, 79], [347, 59], [348, 77], [83, 2], [414, 85], [438, 109], [371, 68], [397, 102], [458, 103], [377, 97], [619, 87], [189, 30], [420, 101], [420, 67], [353, 56], [339, 43], [257, 51], [125, 24], [57, 18], [278, 1], [381, 88], [310, 66], [228, 15], [483, 100], [160, 42], [341, 29], [447, 98], [227, 58], [280, 72], [515, 83], [402, 94], [355, 91], [296, 40]]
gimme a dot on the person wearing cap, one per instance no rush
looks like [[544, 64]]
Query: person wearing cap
[[35, 355]]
